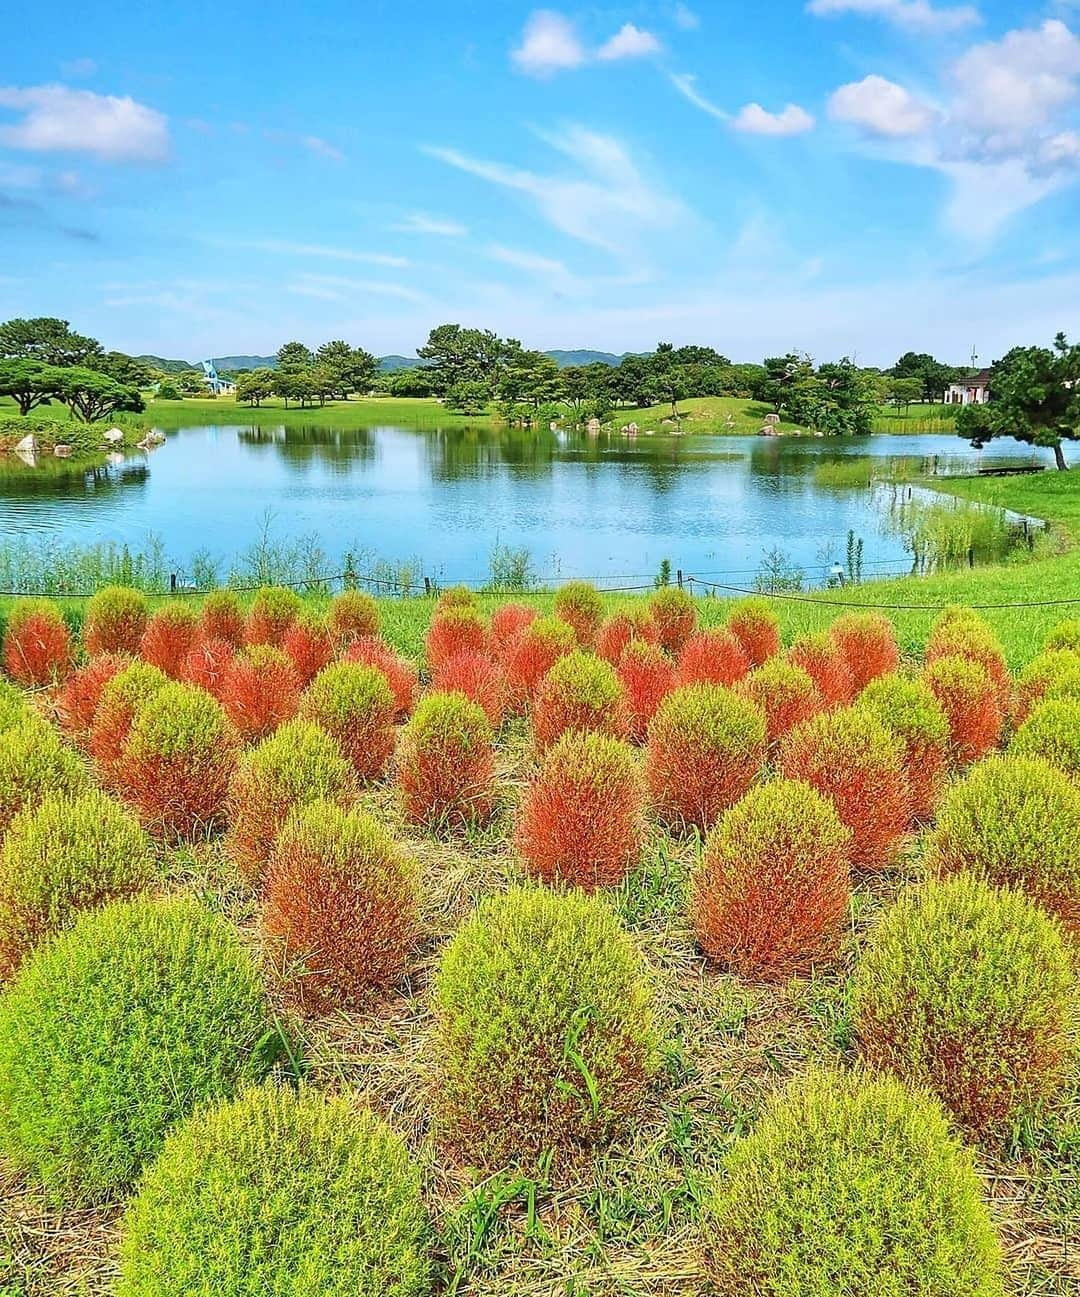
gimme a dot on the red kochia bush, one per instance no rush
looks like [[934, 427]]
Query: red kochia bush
[[401, 674], [272, 611], [712, 656], [205, 664], [785, 693], [37, 644], [454, 630], [868, 643], [755, 626], [354, 705], [578, 604], [115, 620], [647, 676], [308, 645], [674, 616], [971, 704], [533, 654], [79, 698], [967, 636], [582, 819], [773, 887], [353, 615], [259, 690], [619, 629], [168, 638], [706, 746], [121, 697], [580, 692], [446, 769], [851, 758], [824, 662], [507, 623], [479, 677], [221, 617]]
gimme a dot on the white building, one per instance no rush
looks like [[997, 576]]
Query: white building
[[218, 385], [974, 389]]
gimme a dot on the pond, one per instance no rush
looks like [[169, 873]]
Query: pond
[[600, 507]]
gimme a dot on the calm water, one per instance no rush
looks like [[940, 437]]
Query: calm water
[[596, 507]]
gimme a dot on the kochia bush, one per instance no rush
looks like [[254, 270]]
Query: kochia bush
[[121, 699], [756, 627], [309, 646], [34, 763], [581, 819], [479, 677], [340, 906], [824, 662], [545, 1028], [965, 991], [971, 704], [706, 747], [401, 674], [647, 676], [507, 623], [353, 703], [115, 620], [237, 1204], [713, 656], [205, 664], [115, 1030], [259, 690], [674, 615], [353, 615], [1052, 732], [620, 628], [850, 1185], [37, 644], [1065, 635], [580, 692], [968, 637], [772, 891], [168, 638], [785, 694], [271, 613], [446, 768], [851, 758], [77, 702], [868, 643], [578, 603], [532, 655], [1053, 674], [453, 630], [222, 618], [909, 710]]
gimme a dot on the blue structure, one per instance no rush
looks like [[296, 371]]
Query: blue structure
[[214, 381]]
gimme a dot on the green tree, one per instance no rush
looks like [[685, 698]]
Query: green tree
[[48, 340], [191, 382], [122, 368], [460, 355], [407, 382], [352, 368], [294, 356], [91, 396], [468, 397], [29, 382], [901, 392], [529, 377], [669, 374], [254, 386], [780, 377], [933, 376], [1034, 398]]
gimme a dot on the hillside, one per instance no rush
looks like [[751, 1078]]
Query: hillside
[[387, 364]]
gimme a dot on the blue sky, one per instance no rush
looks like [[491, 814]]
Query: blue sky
[[840, 176]]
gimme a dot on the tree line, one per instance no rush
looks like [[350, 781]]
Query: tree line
[[43, 360]]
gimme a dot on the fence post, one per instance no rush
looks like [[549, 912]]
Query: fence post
[[172, 582], [427, 585], [971, 556], [678, 577]]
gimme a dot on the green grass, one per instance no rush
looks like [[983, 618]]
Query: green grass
[[407, 411]]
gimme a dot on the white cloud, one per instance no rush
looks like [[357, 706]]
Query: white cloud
[[685, 18], [549, 44], [57, 118], [287, 247], [880, 107], [315, 144], [686, 85], [629, 42], [1017, 83], [914, 15], [421, 223], [530, 261], [755, 120]]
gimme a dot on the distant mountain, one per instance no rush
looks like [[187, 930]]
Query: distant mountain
[[245, 362], [566, 358], [166, 366], [388, 364]]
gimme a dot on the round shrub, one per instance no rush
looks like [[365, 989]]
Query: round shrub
[[647, 676], [205, 664], [909, 710], [532, 655], [456, 596], [340, 906], [65, 855], [221, 617], [824, 662], [712, 656], [581, 820], [177, 762], [37, 644], [78, 700], [259, 690], [446, 768], [580, 692], [477, 676], [1052, 732], [169, 635], [620, 628], [674, 615], [1053, 674], [784, 693], [772, 891], [507, 623], [1015, 822], [116, 1029], [578, 603], [13, 708], [353, 703], [34, 763], [545, 1027], [756, 627], [868, 643], [353, 614], [850, 757], [855, 1186], [309, 646], [272, 611], [115, 620], [278, 1192], [971, 705], [1065, 635], [965, 991], [452, 631], [298, 764], [706, 747], [971, 639], [401, 674], [120, 699]]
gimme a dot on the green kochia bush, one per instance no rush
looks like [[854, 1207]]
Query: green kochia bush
[[281, 1195], [964, 990], [1052, 732], [545, 1029], [113, 1031], [850, 1187], [34, 762]]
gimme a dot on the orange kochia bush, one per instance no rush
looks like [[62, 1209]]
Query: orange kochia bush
[[910, 711], [868, 643], [581, 820], [712, 656], [453, 630], [446, 768], [647, 676], [341, 906], [824, 662], [259, 690], [79, 698], [308, 645], [271, 613], [37, 644], [578, 604], [222, 618], [756, 627], [580, 692], [772, 891], [354, 705], [121, 697], [115, 620], [971, 703], [959, 632], [706, 746], [476, 675], [168, 638], [851, 758], [353, 615], [785, 693], [532, 655], [507, 623], [674, 616], [206, 662], [619, 629], [400, 674]]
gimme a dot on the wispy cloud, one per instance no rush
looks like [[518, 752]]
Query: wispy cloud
[[684, 18], [550, 43], [77, 69], [752, 119], [289, 248], [880, 107], [312, 143], [338, 288], [686, 85], [422, 223], [915, 15], [58, 119]]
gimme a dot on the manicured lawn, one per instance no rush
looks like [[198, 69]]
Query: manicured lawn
[[409, 411]]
